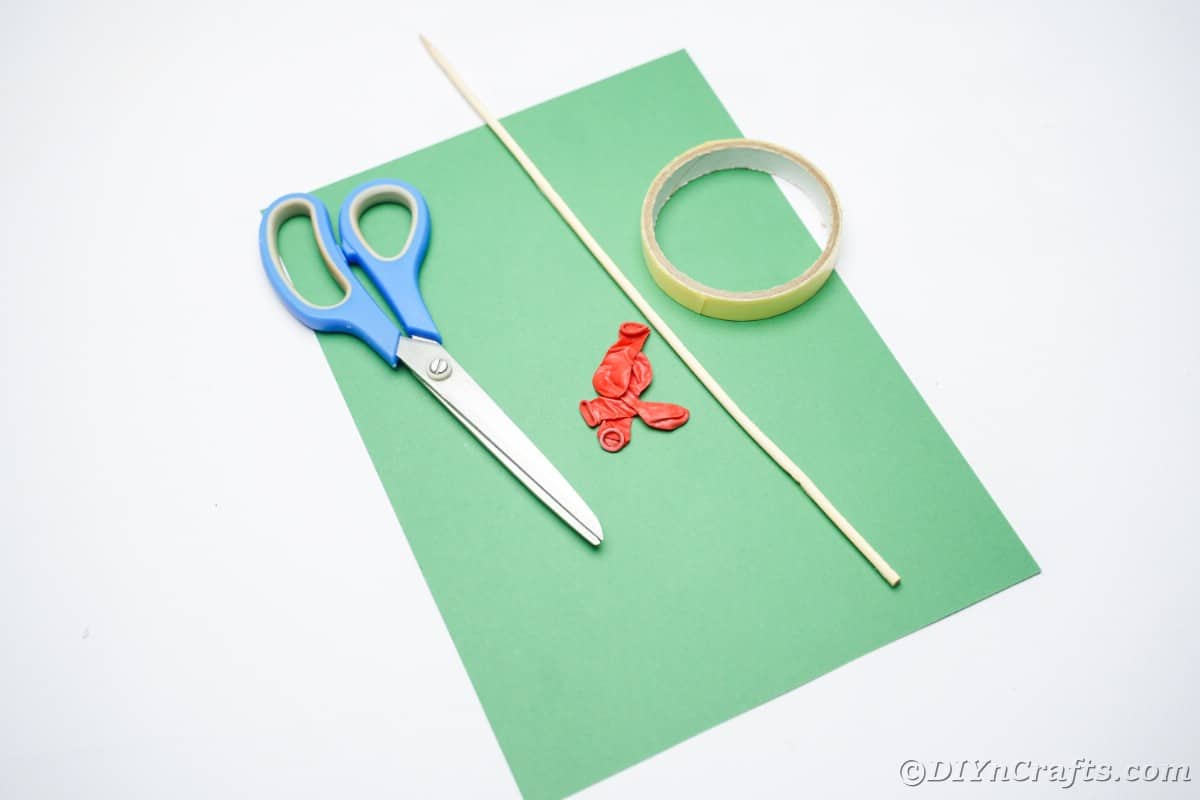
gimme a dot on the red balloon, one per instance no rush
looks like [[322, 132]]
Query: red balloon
[[624, 373]]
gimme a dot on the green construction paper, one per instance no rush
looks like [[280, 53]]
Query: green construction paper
[[719, 585]]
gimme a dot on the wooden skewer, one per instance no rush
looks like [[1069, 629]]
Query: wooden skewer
[[664, 330]]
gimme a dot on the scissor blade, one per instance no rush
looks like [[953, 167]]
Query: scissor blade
[[450, 383]]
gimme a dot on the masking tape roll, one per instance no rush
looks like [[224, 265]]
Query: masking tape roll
[[765, 157]]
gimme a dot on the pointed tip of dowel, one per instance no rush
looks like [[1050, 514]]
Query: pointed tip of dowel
[[445, 67], [432, 50]]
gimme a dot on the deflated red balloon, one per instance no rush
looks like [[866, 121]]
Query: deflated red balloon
[[623, 374]]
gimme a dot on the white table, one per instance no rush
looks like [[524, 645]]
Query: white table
[[1020, 186]]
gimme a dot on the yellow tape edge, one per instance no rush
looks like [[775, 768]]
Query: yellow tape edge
[[721, 303]]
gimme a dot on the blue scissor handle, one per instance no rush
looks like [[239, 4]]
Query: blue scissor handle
[[395, 277], [356, 313]]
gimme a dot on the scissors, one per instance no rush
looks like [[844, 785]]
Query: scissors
[[419, 345]]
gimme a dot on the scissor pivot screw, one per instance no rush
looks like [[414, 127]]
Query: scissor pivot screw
[[439, 369]]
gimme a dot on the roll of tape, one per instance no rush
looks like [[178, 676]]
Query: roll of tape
[[740, 154]]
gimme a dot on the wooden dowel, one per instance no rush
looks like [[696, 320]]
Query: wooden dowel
[[660, 325]]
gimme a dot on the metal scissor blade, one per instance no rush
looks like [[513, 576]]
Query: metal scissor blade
[[450, 383]]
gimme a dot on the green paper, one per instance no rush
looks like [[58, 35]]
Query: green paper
[[720, 585]]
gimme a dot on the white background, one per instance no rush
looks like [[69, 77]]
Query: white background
[[203, 590]]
